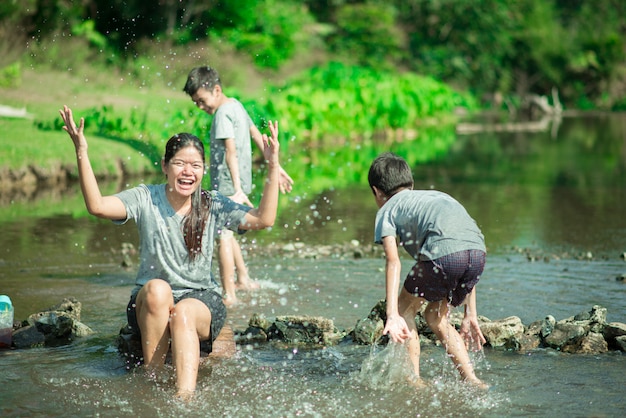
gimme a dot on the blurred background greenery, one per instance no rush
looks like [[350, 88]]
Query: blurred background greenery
[[345, 78]]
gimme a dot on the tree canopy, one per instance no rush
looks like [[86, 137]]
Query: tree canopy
[[508, 48]]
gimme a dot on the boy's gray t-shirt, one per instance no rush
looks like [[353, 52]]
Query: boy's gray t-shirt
[[429, 224], [231, 121], [163, 253]]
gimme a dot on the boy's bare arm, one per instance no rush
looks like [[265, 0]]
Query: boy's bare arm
[[395, 326], [470, 329], [232, 161], [285, 181]]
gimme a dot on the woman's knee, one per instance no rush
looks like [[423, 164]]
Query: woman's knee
[[156, 292], [190, 313]]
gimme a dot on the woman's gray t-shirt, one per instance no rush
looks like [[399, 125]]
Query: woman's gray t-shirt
[[163, 253], [428, 223]]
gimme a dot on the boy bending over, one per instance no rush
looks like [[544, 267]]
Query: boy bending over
[[449, 251]]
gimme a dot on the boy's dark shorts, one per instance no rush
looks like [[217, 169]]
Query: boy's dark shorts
[[451, 277], [212, 299]]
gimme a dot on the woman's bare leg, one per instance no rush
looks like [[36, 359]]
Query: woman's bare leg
[[189, 324], [154, 302]]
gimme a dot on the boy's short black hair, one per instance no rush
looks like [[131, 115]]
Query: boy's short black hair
[[389, 173], [201, 77]]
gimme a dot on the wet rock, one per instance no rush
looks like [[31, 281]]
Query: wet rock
[[305, 330], [565, 333], [591, 343], [59, 324], [71, 306], [547, 325], [368, 330], [506, 332], [595, 318], [614, 333], [257, 331], [614, 330], [586, 332], [28, 337], [620, 342], [252, 335], [260, 321], [528, 342], [129, 347]]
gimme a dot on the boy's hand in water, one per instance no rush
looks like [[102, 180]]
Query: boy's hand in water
[[397, 329], [471, 333]]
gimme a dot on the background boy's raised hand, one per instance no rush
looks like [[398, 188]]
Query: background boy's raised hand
[[271, 144]]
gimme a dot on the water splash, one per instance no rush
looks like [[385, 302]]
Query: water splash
[[385, 368]]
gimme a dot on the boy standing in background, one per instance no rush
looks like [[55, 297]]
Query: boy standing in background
[[230, 166]]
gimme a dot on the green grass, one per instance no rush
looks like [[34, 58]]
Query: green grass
[[24, 145]]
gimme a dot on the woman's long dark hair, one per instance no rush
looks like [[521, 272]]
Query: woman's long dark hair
[[195, 221]]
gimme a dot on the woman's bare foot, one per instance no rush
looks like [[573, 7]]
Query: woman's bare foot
[[184, 395]]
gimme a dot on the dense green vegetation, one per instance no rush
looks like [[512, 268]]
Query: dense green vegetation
[[493, 48], [345, 78]]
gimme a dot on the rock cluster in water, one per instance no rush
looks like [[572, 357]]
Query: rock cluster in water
[[585, 333], [55, 326]]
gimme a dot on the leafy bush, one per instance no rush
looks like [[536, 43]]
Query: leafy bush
[[368, 34], [339, 101], [11, 75], [269, 31]]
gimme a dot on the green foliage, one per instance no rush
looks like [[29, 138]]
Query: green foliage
[[87, 29], [521, 47], [487, 46], [270, 31], [368, 34], [338, 101], [11, 75]]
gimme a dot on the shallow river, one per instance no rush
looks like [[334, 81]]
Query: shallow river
[[570, 219]]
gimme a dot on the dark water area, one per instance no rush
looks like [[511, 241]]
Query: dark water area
[[552, 211]]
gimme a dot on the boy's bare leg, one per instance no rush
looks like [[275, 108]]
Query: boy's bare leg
[[227, 268], [243, 278], [436, 315], [408, 306]]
